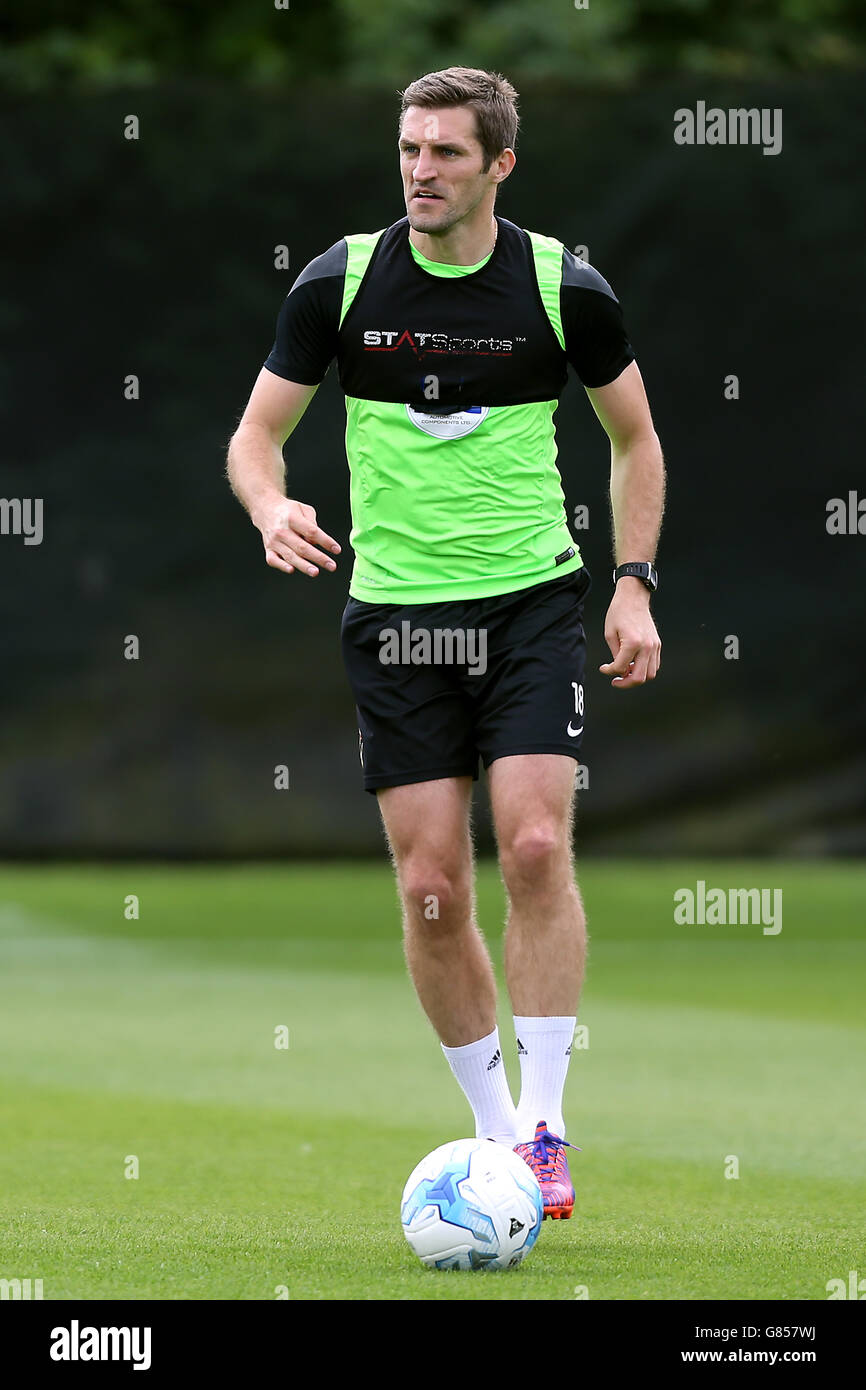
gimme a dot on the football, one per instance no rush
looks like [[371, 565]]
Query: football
[[472, 1204]]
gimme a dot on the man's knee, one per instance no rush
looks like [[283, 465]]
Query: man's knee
[[434, 887], [536, 853]]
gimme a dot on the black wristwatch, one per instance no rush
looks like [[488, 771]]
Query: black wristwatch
[[638, 570]]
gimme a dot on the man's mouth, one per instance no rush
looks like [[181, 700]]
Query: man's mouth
[[424, 196]]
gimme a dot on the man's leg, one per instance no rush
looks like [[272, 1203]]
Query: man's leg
[[532, 797], [428, 828]]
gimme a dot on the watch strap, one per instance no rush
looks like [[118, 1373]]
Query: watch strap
[[638, 569]]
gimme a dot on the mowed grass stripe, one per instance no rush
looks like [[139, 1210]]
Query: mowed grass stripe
[[261, 1167]]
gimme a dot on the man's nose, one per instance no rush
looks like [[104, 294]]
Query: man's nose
[[424, 169]]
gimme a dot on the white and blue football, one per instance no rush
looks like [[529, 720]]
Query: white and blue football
[[472, 1204]]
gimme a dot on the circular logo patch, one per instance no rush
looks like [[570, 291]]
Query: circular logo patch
[[452, 426]]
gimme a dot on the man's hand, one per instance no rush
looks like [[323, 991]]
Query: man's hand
[[257, 474], [631, 634], [291, 535]]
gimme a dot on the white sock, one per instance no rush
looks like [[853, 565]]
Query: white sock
[[544, 1049], [480, 1070]]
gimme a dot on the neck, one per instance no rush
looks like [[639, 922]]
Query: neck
[[463, 244]]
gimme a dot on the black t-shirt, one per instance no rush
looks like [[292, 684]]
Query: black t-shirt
[[487, 336]]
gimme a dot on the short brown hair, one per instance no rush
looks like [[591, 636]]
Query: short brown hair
[[490, 95]]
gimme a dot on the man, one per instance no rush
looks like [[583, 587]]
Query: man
[[462, 634]]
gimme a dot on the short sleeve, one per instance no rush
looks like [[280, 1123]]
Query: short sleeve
[[308, 322], [596, 342]]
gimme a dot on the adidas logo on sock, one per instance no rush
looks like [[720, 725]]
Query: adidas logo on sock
[[568, 1050], [494, 1060], [521, 1049]]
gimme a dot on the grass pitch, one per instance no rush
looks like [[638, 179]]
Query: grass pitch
[[148, 1045]]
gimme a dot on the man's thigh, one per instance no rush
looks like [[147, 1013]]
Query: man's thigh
[[532, 794], [429, 821]]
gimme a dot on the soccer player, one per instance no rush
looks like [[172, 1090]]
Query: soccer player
[[462, 635]]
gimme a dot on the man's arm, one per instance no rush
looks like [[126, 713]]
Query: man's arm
[[257, 475], [637, 485]]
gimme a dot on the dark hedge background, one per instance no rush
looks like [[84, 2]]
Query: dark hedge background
[[156, 257]]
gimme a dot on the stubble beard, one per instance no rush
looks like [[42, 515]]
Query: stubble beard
[[443, 223]]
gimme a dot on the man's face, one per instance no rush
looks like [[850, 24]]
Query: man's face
[[441, 157]]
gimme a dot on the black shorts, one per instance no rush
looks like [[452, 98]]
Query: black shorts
[[438, 684]]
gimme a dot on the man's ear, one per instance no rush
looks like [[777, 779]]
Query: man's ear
[[510, 163]]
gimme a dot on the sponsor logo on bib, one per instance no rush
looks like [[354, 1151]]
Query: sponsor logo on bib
[[452, 426]]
